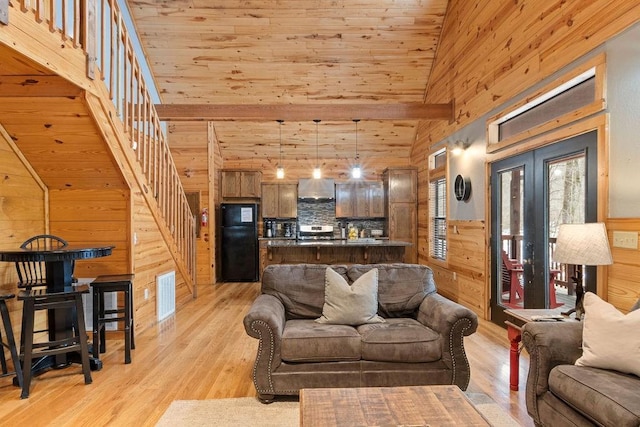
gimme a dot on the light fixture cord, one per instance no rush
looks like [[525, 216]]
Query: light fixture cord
[[356, 120], [280, 121], [317, 155]]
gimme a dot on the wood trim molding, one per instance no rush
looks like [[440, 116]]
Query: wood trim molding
[[297, 112]]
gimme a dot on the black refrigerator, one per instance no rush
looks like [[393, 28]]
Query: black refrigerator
[[240, 255]]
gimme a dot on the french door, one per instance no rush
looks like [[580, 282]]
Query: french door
[[531, 195]]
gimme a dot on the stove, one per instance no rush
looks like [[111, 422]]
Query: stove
[[315, 232]]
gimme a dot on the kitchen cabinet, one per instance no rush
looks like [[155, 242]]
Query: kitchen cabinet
[[279, 201], [360, 200], [401, 207], [402, 185], [240, 184]]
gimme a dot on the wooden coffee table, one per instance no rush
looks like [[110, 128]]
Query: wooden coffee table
[[441, 405]]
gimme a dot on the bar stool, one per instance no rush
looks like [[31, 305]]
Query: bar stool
[[40, 298], [112, 283], [10, 341]]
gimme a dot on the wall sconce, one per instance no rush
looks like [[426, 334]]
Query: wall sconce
[[459, 147]]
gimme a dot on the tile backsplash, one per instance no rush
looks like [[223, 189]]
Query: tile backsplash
[[323, 212]]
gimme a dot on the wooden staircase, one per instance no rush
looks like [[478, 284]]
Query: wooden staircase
[[79, 111]]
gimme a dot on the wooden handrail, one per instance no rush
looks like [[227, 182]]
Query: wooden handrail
[[97, 27]]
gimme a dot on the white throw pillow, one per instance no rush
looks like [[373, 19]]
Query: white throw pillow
[[610, 339], [350, 305]]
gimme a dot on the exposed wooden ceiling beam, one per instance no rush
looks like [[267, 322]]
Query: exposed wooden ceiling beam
[[304, 112], [37, 85]]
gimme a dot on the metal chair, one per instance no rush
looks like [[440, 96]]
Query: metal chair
[[33, 273]]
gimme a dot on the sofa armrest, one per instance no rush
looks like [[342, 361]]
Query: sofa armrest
[[453, 322], [265, 321], [549, 344]]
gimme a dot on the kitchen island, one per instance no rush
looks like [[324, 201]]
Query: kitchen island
[[355, 251]]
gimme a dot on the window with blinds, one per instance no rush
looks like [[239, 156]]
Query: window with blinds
[[438, 215], [438, 205]]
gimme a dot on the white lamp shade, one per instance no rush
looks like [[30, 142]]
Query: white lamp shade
[[583, 244]]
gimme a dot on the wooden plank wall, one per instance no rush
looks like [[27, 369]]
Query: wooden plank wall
[[22, 213], [490, 52], [93, 217], [623, 277]]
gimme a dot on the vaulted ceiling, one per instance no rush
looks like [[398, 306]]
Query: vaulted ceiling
[[254, 54]]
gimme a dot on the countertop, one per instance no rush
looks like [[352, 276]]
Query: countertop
[[283, 243]]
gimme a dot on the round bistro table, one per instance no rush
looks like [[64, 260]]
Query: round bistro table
[[59, 275]]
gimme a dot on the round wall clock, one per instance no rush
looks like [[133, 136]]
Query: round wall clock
[[462, 188]]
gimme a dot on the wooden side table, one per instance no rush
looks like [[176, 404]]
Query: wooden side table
[[516, 320]]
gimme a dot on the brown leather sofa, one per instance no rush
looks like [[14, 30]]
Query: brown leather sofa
[[561, 394], [420, 343]]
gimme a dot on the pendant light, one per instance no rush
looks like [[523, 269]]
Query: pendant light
[[317, 172], [280, 168], [356, 172]]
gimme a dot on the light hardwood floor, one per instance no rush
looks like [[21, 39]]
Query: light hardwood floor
[[203, 353]]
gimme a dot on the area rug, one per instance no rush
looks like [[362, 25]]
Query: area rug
[[248, 411]]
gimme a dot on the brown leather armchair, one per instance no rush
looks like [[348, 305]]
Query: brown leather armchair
[[558, 393]]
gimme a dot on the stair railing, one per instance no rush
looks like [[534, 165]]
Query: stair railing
[[98, 27]]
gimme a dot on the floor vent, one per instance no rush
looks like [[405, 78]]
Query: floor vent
[[166, 295]]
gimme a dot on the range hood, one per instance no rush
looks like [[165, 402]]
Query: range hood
[[316, 189]]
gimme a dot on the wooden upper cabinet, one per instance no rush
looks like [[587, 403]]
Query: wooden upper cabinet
[[401, 187], [344, 201], [402, 184], [288, 200], [279, 200], [360, 200], [376, 200], [269, 202], [240, 184]]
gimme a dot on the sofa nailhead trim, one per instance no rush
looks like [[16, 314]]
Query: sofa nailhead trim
[[259, 356], [464, 353]]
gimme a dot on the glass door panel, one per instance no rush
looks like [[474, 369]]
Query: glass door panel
[[566, 201], [531, 195]]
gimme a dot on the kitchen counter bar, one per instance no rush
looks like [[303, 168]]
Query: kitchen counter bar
[[359, 251], [279, 243]]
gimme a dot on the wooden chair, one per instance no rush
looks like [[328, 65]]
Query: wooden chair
[[511, 281], [33, 273], [36, 299], [9, 341], [120, 283]]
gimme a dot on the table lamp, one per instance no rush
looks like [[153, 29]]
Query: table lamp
[[582, 244]]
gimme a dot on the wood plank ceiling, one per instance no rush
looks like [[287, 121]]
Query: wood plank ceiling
[[256, 53]]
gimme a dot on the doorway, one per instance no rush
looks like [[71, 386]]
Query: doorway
[[531, 195]]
